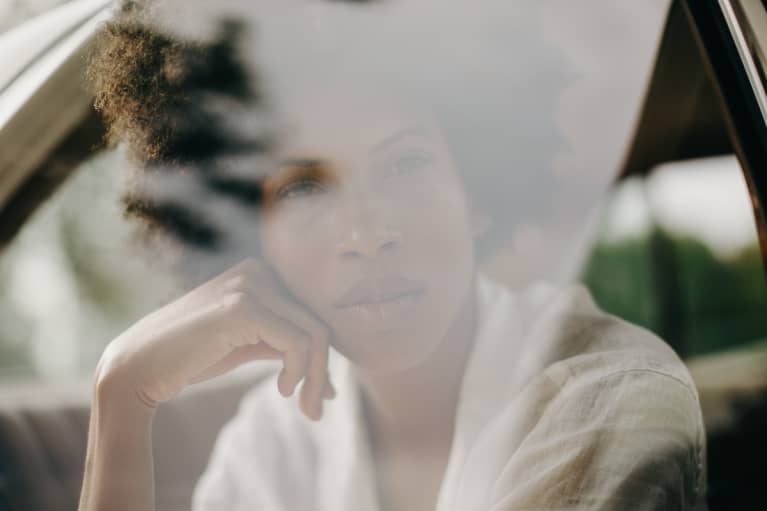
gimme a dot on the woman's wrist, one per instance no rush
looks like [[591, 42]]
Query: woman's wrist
[[115, 398], [119, 472]]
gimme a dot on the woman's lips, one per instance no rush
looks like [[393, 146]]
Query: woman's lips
[[384, 315], [381, 304], [379, 290]]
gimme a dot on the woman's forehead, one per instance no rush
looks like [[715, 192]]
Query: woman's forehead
[[338, 125]]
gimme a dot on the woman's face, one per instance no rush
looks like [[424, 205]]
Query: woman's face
[[367, 223]]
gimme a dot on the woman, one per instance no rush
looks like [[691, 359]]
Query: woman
[[448, 390]]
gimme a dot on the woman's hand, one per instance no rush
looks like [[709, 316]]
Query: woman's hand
[[238, 316]]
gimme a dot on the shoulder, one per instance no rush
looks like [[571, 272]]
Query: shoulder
[[621, 380], [615, 401], [576, 339], [566, 406], [566, 354]]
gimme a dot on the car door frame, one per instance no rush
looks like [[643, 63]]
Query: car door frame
[[733, 54]]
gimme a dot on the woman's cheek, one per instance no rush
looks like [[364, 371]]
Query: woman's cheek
[[439, 207], [303, 216], [286, 241]]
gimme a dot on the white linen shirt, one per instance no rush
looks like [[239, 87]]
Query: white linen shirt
[[561, 406]]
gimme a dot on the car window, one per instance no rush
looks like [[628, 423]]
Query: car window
[[74, 278], [438, 193], [679, 254]]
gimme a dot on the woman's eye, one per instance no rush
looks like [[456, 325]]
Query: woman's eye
[[407, 163], [300, 188]]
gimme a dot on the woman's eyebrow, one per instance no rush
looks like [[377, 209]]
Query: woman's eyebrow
[[291, 169], [301, 163], [389, 141]]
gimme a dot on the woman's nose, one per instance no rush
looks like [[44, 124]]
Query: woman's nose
[[368, 243], [364, 234]]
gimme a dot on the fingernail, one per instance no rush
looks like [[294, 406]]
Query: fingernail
[[284, 386], [331, 390], [281, 385]]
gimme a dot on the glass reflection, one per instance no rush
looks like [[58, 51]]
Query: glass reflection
[[390, 163], [383, 207]]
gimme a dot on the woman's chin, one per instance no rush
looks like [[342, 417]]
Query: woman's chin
[[387, 351]]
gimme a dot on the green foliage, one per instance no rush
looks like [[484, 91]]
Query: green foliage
[[620, 278], [678, 288]]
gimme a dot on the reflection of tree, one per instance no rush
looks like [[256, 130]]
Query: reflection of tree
[[678, 288], [620, 277], [96, 282], [670, 315], [14, 355]]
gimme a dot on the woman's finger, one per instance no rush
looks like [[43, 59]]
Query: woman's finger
[[254, 279], [285, 337], [329, 392], [295, 362], [316, 379], [239, 356]]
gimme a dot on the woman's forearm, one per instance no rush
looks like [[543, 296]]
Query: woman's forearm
[[119, 469]]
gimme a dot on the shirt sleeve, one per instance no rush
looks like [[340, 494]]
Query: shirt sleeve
[[630, 440]]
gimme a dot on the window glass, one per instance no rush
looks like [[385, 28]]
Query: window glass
[[413, 206], [583, 97], [679, 254], [74, 278]]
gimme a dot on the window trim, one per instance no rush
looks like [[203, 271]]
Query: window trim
[[727, 60]]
